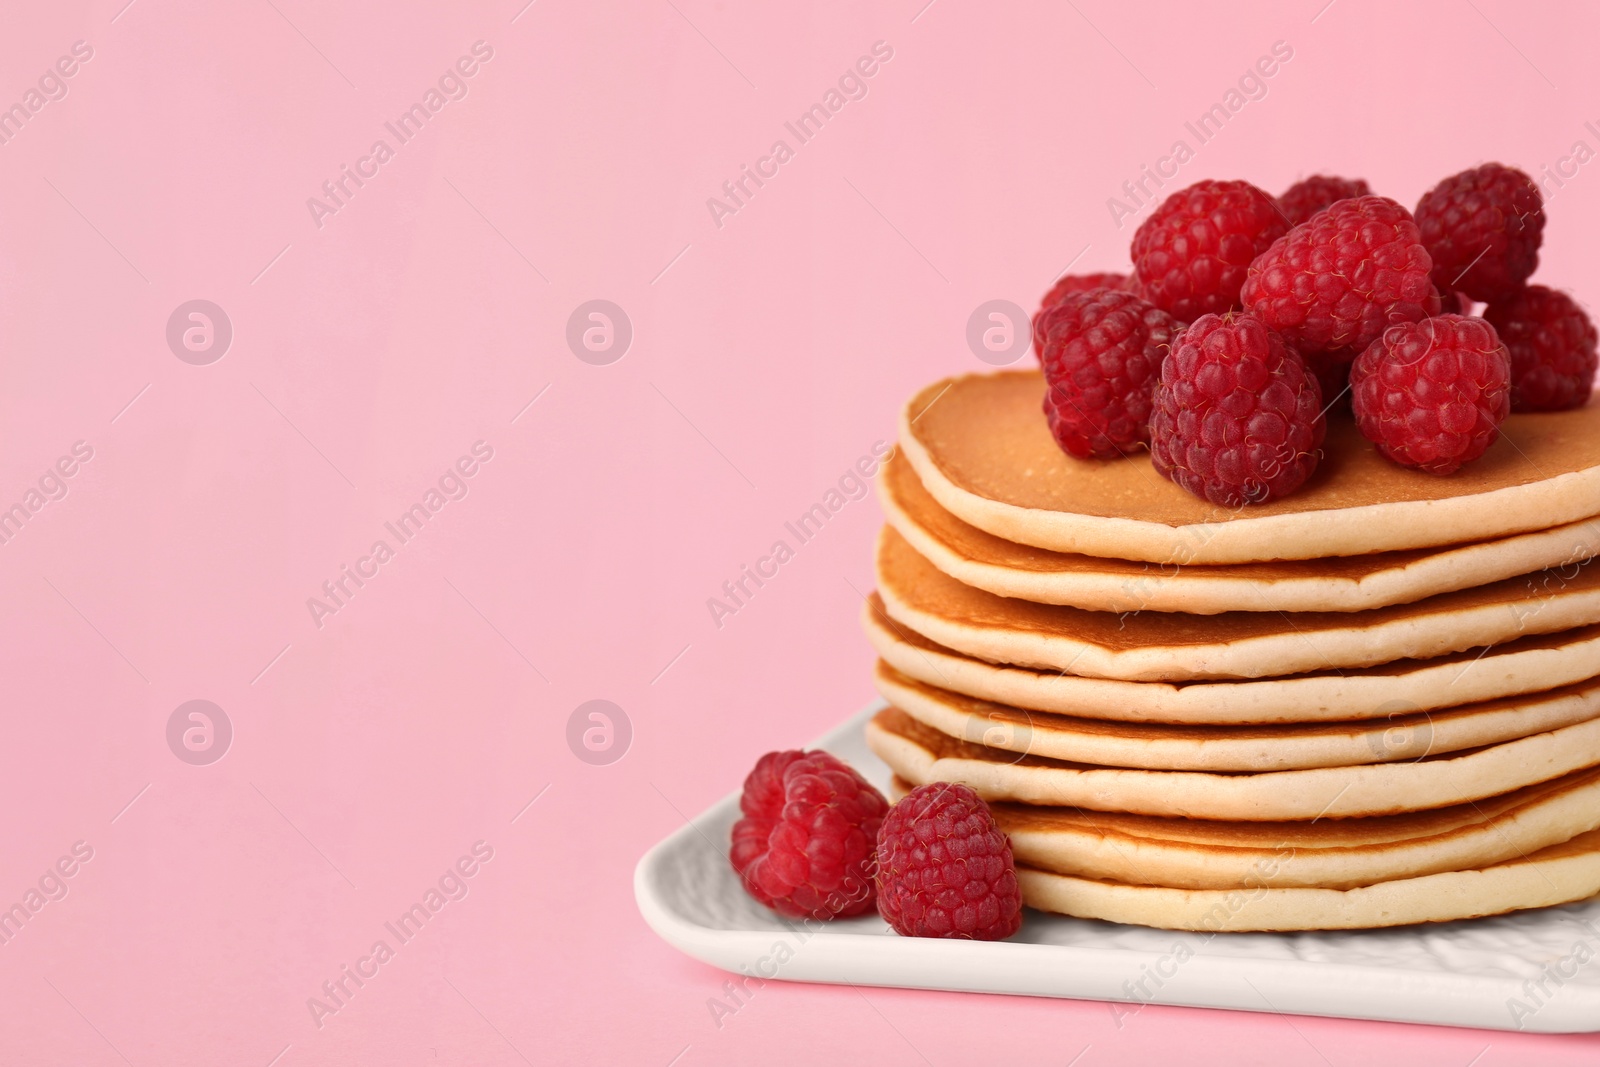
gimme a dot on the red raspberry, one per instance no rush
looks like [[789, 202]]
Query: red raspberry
[[1552, 347], [1102, 352], [945, 869], [1432, 394], [1238, 417], [1190, 256], [1310, 195], [804, 847], [1483, 229], [1074, 283], [1082, 283], [1336, 280]]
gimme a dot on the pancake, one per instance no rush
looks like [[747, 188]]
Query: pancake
[[1338, 583], [921, 754], [980, 445], [1158, 646], [1327, 854], [1559, 874], [1158, 746], [1526, 665]]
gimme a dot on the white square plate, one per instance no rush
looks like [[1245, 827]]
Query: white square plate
[[1537, 970]]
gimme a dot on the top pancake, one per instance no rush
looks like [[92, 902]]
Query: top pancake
[[980, 445]]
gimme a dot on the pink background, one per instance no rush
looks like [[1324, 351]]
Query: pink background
[[370, 353]]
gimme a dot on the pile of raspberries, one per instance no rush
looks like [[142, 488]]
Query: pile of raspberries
[[1249, 319]]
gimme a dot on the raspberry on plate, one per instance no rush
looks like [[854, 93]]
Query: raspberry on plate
[[1340, 277], [1191, 254], [1238, 415], [1483, 228], [1552, 347], [1074, 283], [1102, 352], [1310, 195], [1432, 394], [804, 847], [945, 869]]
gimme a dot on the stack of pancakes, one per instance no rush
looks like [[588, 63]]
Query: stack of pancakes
[[1373, 702]]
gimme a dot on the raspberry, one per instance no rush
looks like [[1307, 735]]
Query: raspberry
[[1082, 283], [804, 847], [1238, 416], [1337, 279], [945, 869], [1432, 394], [1074, 283], [1483, 228], [1190, 256], [1552, 347], [1102, 353], [1310, 195]]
